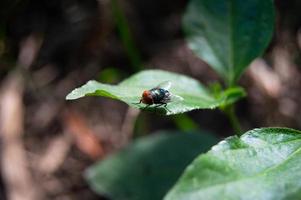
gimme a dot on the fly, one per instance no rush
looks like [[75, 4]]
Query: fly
[[159, 96]]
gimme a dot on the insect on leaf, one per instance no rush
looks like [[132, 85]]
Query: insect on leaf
[[186, 93]]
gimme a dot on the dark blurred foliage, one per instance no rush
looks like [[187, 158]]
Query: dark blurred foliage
[[289, 15], [65, 27]]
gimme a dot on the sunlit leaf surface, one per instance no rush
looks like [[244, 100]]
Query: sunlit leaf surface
[[263, 164]]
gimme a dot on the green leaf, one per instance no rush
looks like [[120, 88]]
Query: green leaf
[[263, 164], [230, 95], [229, 34], [194, 94], [147, 168]]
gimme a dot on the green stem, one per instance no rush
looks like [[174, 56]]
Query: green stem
[[126, 36], [230, 112], [185, 123]]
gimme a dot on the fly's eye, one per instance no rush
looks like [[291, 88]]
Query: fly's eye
[[146, 93]]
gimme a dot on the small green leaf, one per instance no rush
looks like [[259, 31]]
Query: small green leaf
[[263, 164], [147, 168], [194, 94], [229, 34], [230, 95]]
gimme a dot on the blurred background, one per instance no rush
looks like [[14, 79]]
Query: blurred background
[[47, 48]]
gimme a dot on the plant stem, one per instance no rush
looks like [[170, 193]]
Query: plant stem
[[230, 112], [185, 123], [126, 36]]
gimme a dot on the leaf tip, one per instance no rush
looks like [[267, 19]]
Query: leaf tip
[[74, 94]]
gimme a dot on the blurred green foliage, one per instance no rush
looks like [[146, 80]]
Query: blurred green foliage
[[229, 34], [147, 168]]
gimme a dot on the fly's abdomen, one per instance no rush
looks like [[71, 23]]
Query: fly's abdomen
[[160, 95]]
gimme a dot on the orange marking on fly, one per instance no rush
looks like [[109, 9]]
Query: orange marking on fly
[[147, 97]]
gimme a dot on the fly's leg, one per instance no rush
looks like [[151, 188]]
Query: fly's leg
[[138, 102], [165, 106], [144, 108], [162, 104]]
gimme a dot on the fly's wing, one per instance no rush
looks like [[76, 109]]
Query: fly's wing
[[164, 85], [171, 97], [174, 98]]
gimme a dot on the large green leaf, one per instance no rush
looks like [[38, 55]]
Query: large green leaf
[[194, 94], [263, 164], [148, 167], [229, 34]]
